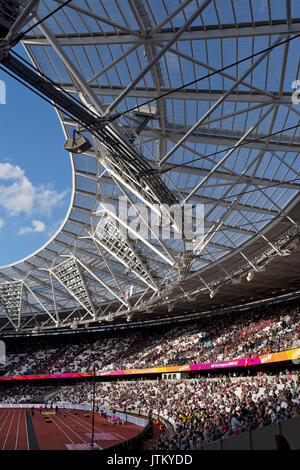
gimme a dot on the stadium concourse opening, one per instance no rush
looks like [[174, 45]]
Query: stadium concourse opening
[[164, 314]]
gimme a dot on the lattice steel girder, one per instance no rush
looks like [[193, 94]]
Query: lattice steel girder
[[109, 237], [230, 175], [129, 176], [126, 203], [11, 299], [100, 281], [91, 255], [88, 254], [150, 245], [242, 207], [69, 274], [175, 37], [200, 138], [25, 15], [36, 280]]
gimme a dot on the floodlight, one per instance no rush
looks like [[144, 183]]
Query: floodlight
[[146, 110]]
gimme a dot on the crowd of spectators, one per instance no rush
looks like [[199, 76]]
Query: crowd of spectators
[[22, 393], [214, 339], [201, 410], [226, 337]]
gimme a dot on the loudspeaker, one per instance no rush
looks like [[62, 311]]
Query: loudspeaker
[[77, 145]]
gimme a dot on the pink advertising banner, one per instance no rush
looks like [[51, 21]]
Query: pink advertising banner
[[292, 354]]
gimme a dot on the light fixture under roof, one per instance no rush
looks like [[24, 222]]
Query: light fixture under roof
[[236, 280], [212, 293], [146, 110], [77, 145]]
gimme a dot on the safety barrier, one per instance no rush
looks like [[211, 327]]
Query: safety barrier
[[260, 439], [168, 423]]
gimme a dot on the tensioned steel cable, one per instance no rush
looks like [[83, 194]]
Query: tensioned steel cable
[[179, 165], [226, 149], [22, 34], [163, 95], [55, 84], [231, 228], [41, 96], [175, 166], [249, 191]]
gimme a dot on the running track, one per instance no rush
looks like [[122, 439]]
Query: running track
[[67, 428]]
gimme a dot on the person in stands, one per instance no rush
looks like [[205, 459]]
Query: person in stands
[[281, 443]]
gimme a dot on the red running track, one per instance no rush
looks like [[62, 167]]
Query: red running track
[[13, 435], [68, 427]]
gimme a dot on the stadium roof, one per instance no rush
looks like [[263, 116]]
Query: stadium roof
[[216, 131]]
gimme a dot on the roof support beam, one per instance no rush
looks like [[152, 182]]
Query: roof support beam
[[225, 141], [227, 154], [194, 34], [150, 64], [188, 94], [214, 107]]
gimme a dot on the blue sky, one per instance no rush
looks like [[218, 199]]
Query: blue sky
[[35, 172]]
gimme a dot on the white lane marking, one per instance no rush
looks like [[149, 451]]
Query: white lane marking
[[17, 434], [102, 430], [13, 415]]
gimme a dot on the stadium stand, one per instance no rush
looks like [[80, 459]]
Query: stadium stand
[[201, 410], [214, 339], [103, 299], [22, 393]]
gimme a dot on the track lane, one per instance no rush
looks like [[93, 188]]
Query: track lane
[[13, 433], [100, 427], [66, 428], [9, 441], [22, 437]]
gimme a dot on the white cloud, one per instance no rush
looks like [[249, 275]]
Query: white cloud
[[37, 226], [8, 171], [1, 223], [21, 196], [47, 198], [54, 227]]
